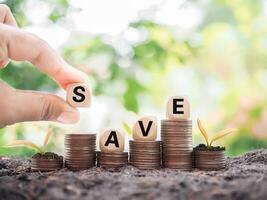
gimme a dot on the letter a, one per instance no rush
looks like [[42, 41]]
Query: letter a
[[112, 139]]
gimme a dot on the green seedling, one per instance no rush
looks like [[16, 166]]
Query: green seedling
[[217, 136], [31, 145]]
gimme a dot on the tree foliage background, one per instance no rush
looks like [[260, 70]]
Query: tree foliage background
[[219, 63]]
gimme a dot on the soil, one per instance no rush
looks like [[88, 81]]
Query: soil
[[244, 177], [203, 147], [47, 155]]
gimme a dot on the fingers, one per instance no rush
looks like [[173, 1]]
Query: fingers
[[4, 63], [44, 107], [6, 16], [3, 54], [23, 46], [18, 106], [19, 45]]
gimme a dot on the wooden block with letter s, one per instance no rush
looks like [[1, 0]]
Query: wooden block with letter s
[[78, 95]]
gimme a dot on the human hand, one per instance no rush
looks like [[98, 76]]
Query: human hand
[[18, 105]]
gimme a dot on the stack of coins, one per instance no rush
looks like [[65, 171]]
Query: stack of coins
[[177, 147], [145, 154], [80, 153], [209, 160], [111, 154], [112, 159], [45, 164]]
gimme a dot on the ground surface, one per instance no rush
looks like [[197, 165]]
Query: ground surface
[[245, 177]]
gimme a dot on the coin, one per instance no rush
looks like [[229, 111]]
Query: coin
[[74, 135], [209, 160], [46, 164], [145, 154], [80, 151], [112, 159], [177, 144]]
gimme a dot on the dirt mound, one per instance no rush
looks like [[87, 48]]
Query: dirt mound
[[245, 177]]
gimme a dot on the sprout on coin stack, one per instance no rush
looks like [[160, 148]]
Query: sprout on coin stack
[[42, 160], [80, 151], [111, 154], [176, 135], [145, 151], [208, 157]]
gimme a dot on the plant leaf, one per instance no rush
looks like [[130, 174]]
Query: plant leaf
[[222, 134], [127, 128], [203, 131], [48, 136], [23, 143]]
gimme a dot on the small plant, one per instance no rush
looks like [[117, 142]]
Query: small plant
[[29, 144], [217, 136], [42, 160]]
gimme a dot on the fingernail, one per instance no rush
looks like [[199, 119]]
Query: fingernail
[[68, 117]]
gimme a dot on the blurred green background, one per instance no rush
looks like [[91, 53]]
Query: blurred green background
[[139, 53]]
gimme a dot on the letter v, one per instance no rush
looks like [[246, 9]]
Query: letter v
[[145, 132]]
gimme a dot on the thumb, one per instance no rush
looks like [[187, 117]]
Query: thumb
[[35, 106], [4, 63]]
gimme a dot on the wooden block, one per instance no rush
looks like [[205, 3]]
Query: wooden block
[[145, 129], [78, 95], [178, 108], [112, 140]]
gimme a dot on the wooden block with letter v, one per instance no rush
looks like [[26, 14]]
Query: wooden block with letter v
[[145, 129], [78, 95]]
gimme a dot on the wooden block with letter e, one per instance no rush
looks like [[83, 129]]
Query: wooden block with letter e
[[112, 140], [145, 129], [178, 108], [78, 95]]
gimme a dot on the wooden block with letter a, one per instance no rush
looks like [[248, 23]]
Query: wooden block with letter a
[[112, 140]]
